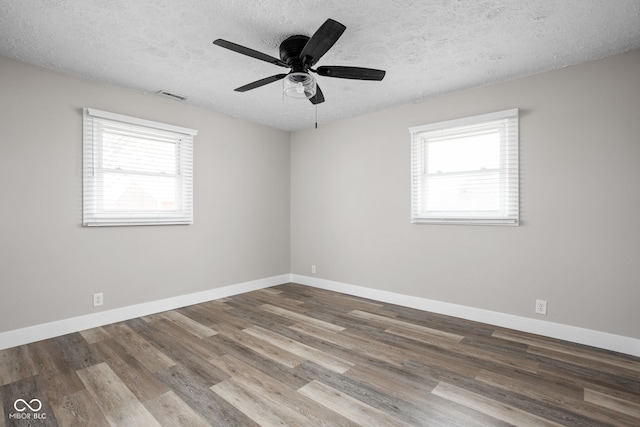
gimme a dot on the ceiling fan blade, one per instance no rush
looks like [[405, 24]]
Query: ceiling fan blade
[[321, 41], [249, 52], [356, 73], [318, 98], [260, 82]]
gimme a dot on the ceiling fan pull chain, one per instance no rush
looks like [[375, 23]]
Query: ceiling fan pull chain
[[316, 116]]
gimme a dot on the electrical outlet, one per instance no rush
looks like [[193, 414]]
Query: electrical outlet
[[541, 306], [98, 299], [313, 269]]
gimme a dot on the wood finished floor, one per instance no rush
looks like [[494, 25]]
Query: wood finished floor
[[294, 355]]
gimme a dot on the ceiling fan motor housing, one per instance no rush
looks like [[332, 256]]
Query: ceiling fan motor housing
[[290, 50]]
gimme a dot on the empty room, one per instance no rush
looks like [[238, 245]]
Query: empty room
[[319, 213]]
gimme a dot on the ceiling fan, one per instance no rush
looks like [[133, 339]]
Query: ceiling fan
[[300, 54]]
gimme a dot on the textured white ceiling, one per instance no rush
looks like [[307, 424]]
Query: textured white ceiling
[[427, 47]]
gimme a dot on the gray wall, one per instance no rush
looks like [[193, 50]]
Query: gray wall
[[50, 266], [578, 246], [336, 197]]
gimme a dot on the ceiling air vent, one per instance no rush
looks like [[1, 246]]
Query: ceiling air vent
[[172, 95]]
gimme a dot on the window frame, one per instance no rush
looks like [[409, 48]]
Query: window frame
[[94, 171], [506, 123]]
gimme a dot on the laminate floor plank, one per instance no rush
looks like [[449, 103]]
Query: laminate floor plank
[[188, 324], [152, 358], [95, 335], [15, 364], [517, 401], [296, 355], [196, 363], [617, 393], [441, 322], [332, 313], [306, 352], [415, 345], [324, 341], [555, 393], [258, 317], [171, 411], [76, 351], [205, 313], [341, 319], [588, 377], [216, 305], [396, 382], [347, 406], [18, 399], [56, 376], [421, 336], [241, 301], [614, 403], [299, 410], [407, 326], [598, 355], [341, 302], [491, 407], [196, 393], [227, 317], [199, 314], [629, 371], [265, 348], [417, 391], [79, 410], [381, 400], [131, 372], [255, 305], [489, 343], [118, 404], [354, 343], [254, 404], [266, 400], [276, 299], [537, 386], [288, 314], [200, 347], [468, 352], [272, 290], [276, 370]]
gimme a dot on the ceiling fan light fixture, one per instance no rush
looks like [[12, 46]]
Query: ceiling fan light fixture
[[300, 53], [299, 85]]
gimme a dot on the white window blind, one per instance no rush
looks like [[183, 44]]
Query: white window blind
[[135, 171], [465, 171]]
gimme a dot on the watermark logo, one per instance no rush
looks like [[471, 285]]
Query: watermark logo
[[34, 406], [21, 405]]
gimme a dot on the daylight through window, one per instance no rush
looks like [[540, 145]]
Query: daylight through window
[[466, 171], [136, 172]]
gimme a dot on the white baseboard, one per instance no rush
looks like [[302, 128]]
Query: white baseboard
[[75, 324], [589, 337], [593, 338]]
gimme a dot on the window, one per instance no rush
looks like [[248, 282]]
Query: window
[[135, 172], [466, 171]]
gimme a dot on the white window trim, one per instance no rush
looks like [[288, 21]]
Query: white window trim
[[93, 215], [141, 122], [419, 215]]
